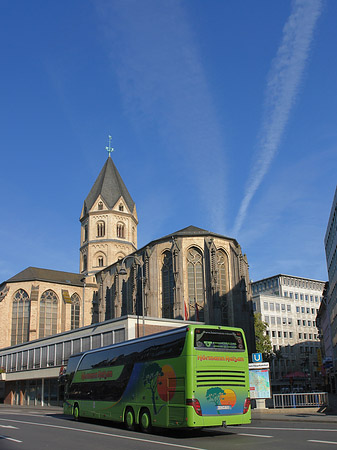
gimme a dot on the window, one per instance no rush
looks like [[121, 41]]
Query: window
[[284, 320], [167, 286], [289, 308], [272, 320], [308, 310], [222, 284], [301, 297], [100, 205], [100, 229], [273, 333], [85, 233], [290, 321], [48, 314], [300, 335], [266, 319], [277, 307], [195, 284], [285, 334], [309, 323], [283, 307], [302, 310], [286, 293], [121, 230], [311, 298], [316, 298], [298, 322], [305, 335], [306, 297], [85, 263], [296, 296], [278, 320], [121, 207], [291, 294], [20, 317], [279, 334], [100, 261], [271, 306], [75, 311], [290, 334], [265, 306], [297, 309]]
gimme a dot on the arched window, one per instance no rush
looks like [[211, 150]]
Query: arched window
[[120, 230], [222, 285], [20, 317], [48, 314], [167, 286], [100, 261], [100, 229], [100, 205], [121, 207], [75, 311], [195, 284], [85, 233]]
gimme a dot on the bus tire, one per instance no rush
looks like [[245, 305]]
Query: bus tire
[[145, 421], [76, 412], [129, 419]]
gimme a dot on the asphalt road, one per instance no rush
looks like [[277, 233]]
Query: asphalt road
[[29, 429]]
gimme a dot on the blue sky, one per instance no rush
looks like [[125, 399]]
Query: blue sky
[[222, 116]]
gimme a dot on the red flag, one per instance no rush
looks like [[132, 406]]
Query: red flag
[[196, 312], [186, 314]]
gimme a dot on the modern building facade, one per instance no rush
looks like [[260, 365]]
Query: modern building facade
[[330, 243], [29, 371], [289, 305]]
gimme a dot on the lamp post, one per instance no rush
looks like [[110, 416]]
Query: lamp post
[[123, 271]]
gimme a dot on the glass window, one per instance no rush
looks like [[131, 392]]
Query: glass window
[[271, 306], [195, 284], [265, 306], [20, 317], [296, 296], [278, 320], [277, 307], [48, 314], [297, 309], [290, 334], [120, 230], [100, 228], [167, 285], [272, 320], [289, 308], [286, 293], [75, 311], [291, 294], [306, 297]]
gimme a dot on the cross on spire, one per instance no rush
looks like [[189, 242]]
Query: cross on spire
[[109, 149]]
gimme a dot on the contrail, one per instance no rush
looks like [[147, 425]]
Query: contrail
[[282, 88]]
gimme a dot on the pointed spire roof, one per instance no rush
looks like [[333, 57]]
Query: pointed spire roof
[[110, 186]]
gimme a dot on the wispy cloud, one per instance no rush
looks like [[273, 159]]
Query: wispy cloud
[[281, 92], [164, 88]]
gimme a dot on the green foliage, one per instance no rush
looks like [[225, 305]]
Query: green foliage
[[263, 343], [213, 395], [150, 376]]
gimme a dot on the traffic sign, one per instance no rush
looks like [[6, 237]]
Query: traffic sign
[[256, 357]]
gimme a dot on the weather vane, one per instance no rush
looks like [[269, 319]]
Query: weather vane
[[109, 149]]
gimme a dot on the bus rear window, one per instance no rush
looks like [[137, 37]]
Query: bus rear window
[[218, 340]]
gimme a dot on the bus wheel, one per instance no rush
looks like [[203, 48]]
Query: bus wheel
[[129, 419], [76, 412], [145, 421]]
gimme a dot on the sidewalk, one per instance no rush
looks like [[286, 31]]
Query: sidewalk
[[326, 414]]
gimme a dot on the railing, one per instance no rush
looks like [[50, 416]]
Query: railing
[[302, 400]]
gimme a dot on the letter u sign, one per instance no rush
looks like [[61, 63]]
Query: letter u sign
[[256, 357]]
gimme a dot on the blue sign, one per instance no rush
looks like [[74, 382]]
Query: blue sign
[[256, 357]]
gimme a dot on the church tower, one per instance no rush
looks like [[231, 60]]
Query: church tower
[[108, 222]]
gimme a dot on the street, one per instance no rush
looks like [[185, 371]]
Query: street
[[29, 429]]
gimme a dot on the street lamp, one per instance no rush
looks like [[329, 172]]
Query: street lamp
[[123, 271]]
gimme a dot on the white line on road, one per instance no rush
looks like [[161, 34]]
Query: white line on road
[[8, 426], [148, 441], [254, 435], [322, 442], [334, 430], [9, 439]]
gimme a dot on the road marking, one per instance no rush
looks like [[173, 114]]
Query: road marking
[[254, 435], [8, 426], [334, 430], [322, 442], [148, 441], [9, 439]]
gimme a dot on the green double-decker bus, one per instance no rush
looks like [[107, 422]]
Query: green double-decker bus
[[194, 376]]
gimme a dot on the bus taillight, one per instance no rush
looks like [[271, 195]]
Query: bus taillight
[[196, 405], [246, 405]]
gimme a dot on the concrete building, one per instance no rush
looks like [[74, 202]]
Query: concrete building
[[289, 305], [330, 243]]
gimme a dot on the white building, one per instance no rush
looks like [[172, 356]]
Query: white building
[[289, 305], [330, 243]]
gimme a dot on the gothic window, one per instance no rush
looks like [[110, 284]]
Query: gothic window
[[100, 261], [195, 284], [100, 229], [85, 233], [121, 207], [20, 317], [48, 314], [120, 230], [75, 311], [100, 205], [222, 285], [167, 286]]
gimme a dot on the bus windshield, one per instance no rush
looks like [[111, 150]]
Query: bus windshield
[[218, 340]]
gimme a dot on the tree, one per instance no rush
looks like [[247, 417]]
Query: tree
[[151, 374], [263, 343], [213, 395]]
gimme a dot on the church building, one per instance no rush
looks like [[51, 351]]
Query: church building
[[191, 274]]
